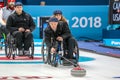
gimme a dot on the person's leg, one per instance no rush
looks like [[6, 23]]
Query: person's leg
[[71, 45], [18, 41], [18, 38], [28, 37], [68, 46], [65, 48], [71, 48]]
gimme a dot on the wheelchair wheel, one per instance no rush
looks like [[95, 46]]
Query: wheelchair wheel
[[55, 64], [8, 50], [9, 46], [32, 50], [14, 52], [1, 44], [45, 54], [2, 40], [54, 60], [13, 56]]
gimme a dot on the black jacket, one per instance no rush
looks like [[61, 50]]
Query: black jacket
[[50, 35], [24, 20]]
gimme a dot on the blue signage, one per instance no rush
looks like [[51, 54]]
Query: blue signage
[[84, 21], [111, 42]]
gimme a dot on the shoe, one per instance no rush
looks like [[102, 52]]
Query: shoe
[[20, 53], [26, 52]]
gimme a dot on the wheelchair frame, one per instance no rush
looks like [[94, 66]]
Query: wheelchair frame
[[55, 58], [2, 40], [11, 49]]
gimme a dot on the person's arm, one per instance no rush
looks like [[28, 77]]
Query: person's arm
[[1, 20], [50, 41], [47, 39], [9, 24], [31, 24], [66, 31], [5, 14]]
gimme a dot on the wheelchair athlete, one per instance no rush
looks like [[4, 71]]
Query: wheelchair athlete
[[20, 24], [58, 32]]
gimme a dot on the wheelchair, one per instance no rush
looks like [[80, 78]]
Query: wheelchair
[[11, 49], [54, 59]]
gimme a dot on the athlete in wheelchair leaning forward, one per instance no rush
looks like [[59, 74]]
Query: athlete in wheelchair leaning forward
[[59, 32]]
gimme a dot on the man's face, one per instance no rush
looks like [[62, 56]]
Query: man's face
[[11, 4], [42, 3], [53, 25], [18, 9]]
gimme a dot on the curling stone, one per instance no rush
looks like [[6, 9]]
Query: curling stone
[[78, 72]]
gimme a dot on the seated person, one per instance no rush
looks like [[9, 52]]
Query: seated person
[[20, 24], [57, 32], [6, 11], [1, 23]]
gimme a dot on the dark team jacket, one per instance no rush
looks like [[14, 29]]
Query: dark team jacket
[[24, 20], [50, 36]]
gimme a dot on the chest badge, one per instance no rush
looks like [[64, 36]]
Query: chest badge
[[24, 19]]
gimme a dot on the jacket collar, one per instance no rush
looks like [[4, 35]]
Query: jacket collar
[[23, 13]]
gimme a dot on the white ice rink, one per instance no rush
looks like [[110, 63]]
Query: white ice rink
[[102, 68]]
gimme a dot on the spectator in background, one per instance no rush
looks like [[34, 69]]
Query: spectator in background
[[42, 3], [7, 10], [0, 15], [1, 21]]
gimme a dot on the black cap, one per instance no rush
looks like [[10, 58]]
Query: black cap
[[18, 4], [57, 12], [53, 19]]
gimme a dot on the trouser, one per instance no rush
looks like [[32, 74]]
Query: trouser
[[69, 46], [23, 39]]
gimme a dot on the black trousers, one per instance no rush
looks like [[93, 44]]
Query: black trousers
[[69, 46], [23, 39]]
